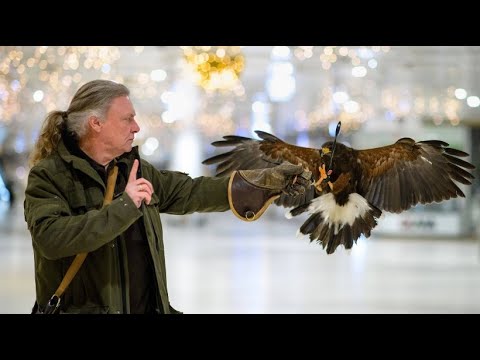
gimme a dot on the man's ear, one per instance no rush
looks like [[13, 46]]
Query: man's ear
[[95, 123]]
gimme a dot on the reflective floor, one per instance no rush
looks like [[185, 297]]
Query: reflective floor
[[219, 264]]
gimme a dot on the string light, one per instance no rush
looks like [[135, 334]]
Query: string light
[[44, 76], [359, 57], [215, 67]]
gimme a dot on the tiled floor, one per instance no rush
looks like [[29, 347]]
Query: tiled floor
[[219, 264]]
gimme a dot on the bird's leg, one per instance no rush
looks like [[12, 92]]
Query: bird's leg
[[330, 185], [323, 176]]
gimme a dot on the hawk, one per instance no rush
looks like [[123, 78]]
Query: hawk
[[351, 188]]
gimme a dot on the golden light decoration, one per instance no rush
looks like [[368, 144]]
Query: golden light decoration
[[215, 67], [32, 76]]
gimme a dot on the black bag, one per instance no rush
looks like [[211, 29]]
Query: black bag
[[53, 306]]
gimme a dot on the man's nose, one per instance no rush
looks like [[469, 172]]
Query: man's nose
[[135, 128]]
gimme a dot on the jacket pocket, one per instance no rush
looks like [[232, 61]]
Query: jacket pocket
[[77, 202]]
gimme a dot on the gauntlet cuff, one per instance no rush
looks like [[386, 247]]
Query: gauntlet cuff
[[247, 201]]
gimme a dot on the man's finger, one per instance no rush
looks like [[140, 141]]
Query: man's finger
[[301, 181], [133, 172], [299, 189], [149, 185], [147, 199]]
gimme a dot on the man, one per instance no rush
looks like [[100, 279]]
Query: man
[[124, 271]]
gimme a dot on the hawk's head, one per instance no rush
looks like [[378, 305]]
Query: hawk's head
[[326, 149]]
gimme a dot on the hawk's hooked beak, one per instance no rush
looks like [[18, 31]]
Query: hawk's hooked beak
[[325, 151]]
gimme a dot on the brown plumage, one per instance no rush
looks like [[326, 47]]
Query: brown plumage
[[363, 183]]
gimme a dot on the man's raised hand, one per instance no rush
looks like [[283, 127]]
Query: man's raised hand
[[138, 189]]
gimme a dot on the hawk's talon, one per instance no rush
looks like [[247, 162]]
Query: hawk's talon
[[318, 187], [324, 175]]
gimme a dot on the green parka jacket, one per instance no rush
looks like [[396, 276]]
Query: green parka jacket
[[63, 210]]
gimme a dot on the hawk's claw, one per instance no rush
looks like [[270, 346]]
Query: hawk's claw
[[324, 175]]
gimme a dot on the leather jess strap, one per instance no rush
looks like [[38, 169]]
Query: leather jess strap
[[80, 258]]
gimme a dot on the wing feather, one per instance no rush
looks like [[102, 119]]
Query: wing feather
[[460, 175], [270, 151], [406, 196], [459, 162], [456, 152], [217, 158], [399, 176]]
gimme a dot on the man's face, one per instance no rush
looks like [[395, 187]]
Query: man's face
[[118, 131]]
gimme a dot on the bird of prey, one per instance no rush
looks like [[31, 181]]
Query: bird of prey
[[350, 187]]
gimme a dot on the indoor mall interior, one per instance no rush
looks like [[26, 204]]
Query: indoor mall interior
[[422, 260]]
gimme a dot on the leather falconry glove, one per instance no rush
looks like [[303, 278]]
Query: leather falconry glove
[[250, 192]]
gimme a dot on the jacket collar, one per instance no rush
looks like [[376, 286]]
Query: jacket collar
[[81, 164]]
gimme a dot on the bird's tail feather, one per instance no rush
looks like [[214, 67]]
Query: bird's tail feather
[[332, 225]]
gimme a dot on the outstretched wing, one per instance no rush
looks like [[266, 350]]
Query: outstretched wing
[[270, 151], [398, 176], [259, 154]]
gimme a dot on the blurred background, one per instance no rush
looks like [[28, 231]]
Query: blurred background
[[424, 260]]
